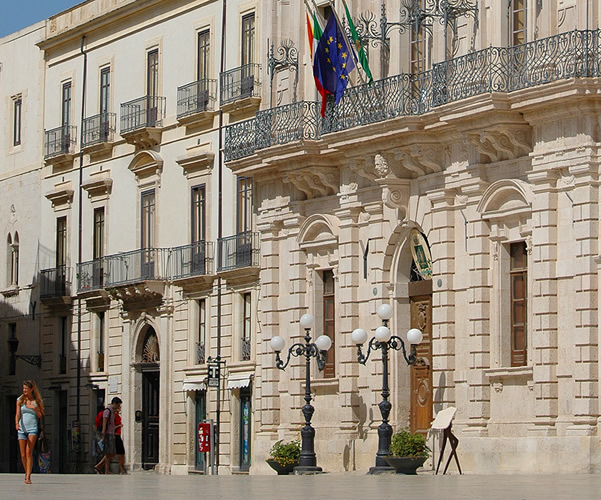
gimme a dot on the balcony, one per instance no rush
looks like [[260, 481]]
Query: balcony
[[141, 121], [99, 133], [55, 285], [238, 256], [241, 88], [90, 277], [137, 276], [196, 102], [193, 264], [575, 54], [58, 145]]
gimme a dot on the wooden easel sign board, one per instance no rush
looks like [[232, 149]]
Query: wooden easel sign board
[[444, 418]]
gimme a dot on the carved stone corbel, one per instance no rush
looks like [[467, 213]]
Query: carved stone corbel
[[395, 194]]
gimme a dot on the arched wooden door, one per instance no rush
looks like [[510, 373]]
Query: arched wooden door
[[421, 372]]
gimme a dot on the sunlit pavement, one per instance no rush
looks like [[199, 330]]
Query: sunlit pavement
[[348, 486]]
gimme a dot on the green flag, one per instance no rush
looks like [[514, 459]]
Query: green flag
[[358, 45]]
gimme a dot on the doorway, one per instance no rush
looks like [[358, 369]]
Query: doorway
[[201, 415], [245, 412], [150, 416], [14, 460], [63, 438], [421, 372]]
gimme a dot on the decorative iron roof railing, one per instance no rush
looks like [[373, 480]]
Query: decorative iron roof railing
[[575, 54]]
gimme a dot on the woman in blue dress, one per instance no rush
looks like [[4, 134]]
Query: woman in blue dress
[[30, 408]]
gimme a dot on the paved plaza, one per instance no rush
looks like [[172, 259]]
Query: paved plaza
[[348, 486]]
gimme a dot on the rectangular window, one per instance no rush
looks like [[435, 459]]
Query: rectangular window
[[245, 201], [61, 242], [152, 75], [204, 55], [148, 234], [518, 22], [329, 320], [105, 103], [100, 343], [518, 278], [63, 346], [248, 39], [66, 106], [246, 327], [198, 214], [202, 332], [98, 233], [148, 219], [105, 90], [17, 105]]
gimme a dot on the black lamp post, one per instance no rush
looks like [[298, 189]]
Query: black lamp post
[[384, 340], [308, 460], [13, 345]]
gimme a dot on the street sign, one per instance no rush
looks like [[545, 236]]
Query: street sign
[[214, 373], [204, 437]]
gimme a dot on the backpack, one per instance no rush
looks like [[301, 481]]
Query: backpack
[[99, 419]]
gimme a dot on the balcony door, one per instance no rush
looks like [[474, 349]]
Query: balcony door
[[198, 230], [66, 117], [244, 222], [248, 55], [98, 265], [152, 87], [105, 102], [148, 234]]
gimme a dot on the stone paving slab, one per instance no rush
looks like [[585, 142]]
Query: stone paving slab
[[348, 486]]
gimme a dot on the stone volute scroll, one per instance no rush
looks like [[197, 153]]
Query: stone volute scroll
[[395, 194]]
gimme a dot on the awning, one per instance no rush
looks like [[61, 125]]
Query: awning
[[239, 380], [191, 385]]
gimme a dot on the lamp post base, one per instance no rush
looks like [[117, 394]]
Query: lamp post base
[[308, 469], [381, 469]]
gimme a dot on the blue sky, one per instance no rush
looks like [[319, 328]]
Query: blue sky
[[17, 14]]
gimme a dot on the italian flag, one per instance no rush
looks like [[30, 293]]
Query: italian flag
[[314, 31]]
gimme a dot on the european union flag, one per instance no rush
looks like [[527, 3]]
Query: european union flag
[[333, 62]]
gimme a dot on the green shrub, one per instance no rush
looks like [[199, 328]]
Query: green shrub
[[405, 444], [285, 453]]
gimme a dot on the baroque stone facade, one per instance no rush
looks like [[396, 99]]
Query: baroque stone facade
[[201, 206]]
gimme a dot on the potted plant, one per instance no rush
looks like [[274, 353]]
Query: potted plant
[[408, 452], [284, 457]]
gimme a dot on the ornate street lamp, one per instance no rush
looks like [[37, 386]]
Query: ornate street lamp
[[384, 340], [308, 460]]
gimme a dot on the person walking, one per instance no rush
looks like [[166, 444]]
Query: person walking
[[108, 435], [30, 408]]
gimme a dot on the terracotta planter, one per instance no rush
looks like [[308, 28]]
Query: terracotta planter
[[405, 465], [282, 470]]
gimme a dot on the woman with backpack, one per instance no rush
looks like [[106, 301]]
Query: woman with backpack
[[30, 409]]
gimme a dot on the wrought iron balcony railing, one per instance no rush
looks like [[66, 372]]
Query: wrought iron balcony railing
[[58, 141], [147, 111], [90, 275], [575, 54], [99, 129], [135, 266], [240, 83], [241, 250], [55, 282], [192, 260], [196, 97]]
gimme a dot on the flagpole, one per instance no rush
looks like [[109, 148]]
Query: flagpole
[[348, 42]]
